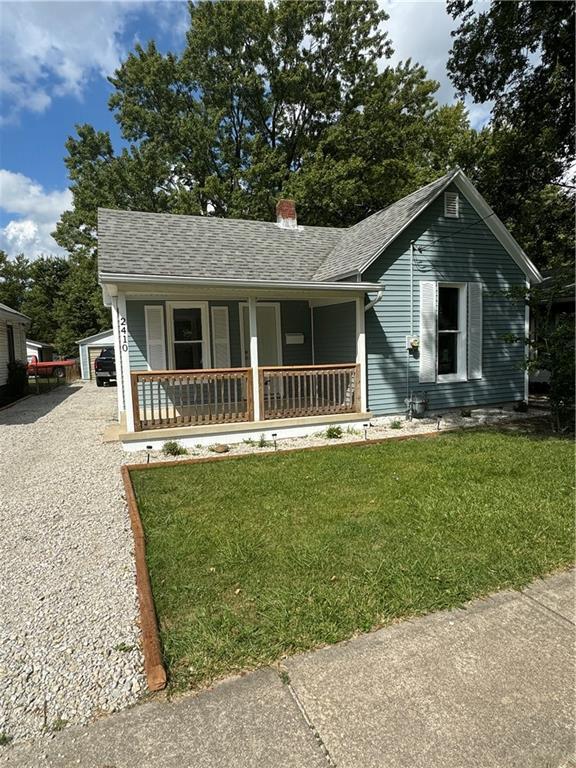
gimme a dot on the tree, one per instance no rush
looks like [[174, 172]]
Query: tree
[[521, 56], [14, 280], [47, 276], [79, 310]]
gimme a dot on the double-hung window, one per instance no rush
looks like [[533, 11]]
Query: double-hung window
[[189, 323], [451, 346], [451, 332]]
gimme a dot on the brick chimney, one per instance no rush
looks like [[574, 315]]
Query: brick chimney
[[286, 214]]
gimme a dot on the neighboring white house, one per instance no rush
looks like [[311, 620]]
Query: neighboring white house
[[13, 327], [90, 348], [42, 352]]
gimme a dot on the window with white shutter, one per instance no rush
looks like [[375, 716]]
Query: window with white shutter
[[428, 292], [220, 337], [474, 330], [451, 205], [450, 332], [155, 343]]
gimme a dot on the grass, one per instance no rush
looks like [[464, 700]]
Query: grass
[[255, 558]]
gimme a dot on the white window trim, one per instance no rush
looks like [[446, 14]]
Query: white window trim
[[276, 305], [206, 341], [462, 372]]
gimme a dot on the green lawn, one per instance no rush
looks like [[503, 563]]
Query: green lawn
[[255, 558]]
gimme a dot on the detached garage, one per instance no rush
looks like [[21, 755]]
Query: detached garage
[[90, 348]]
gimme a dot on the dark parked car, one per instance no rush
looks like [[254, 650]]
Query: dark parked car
[[105, 367]]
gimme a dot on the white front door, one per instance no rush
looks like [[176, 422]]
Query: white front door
[[269, 335]]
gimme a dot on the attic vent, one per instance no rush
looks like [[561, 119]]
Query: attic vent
[[451, 205]]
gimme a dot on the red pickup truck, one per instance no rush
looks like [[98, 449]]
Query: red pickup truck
[[52, 368]]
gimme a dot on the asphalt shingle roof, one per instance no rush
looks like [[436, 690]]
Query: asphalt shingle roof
[[369, 237], [200, 246], [136, 243]]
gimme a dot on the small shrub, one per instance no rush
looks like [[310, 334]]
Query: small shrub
[[396, 424], [17, 383], [173, 448], [262, 442], [334, 433], [59, 724], [466, 413], [249, 441], [521, 406], [5, 739], [353, 431]]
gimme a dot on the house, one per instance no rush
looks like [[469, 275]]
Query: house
[[90, 348], [228, 328], [13, 327], [44, 353]]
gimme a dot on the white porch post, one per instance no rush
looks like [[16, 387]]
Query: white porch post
[[253, 322], [117, 355], [125, 362], [361, 352]]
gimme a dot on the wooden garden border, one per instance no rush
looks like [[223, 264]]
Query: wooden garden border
[[153, 664]]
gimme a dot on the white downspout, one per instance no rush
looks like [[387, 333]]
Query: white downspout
[[411, 288], [379, 297]]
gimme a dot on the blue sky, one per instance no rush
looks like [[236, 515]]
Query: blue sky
[[54, 60]]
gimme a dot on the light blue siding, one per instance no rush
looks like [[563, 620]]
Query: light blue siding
[[468, 255], [335, 334]]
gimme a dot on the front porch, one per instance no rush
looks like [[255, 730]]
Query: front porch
[[227, 365], [177, 398]]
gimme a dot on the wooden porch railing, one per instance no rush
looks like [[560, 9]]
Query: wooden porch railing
[[224, 395], [304, 390], [190, 398]]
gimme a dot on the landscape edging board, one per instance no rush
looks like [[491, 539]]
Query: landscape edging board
[[153, 665]]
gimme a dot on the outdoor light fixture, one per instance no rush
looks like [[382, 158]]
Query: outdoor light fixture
[[274, 436], [148, 448], [365, 431], [438, 423]]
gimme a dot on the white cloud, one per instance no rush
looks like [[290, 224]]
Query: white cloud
[[51, 49], [37, 211], [421, 31]]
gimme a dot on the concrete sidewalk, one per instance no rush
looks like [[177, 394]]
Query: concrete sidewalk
[[491, 685]]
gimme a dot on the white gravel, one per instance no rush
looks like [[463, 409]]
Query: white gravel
[[382, 427], [69, 643]]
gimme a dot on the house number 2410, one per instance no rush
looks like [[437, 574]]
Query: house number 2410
[[123, 334]]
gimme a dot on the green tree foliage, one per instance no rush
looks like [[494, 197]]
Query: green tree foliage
[[520, 56], [46, 278], [14, 280], [79, 310], [266, 100]]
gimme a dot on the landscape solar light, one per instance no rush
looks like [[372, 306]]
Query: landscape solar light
[[148, 449], [274, 436], [365, 431]]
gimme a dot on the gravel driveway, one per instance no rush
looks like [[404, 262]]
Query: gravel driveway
[[68, 638]]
